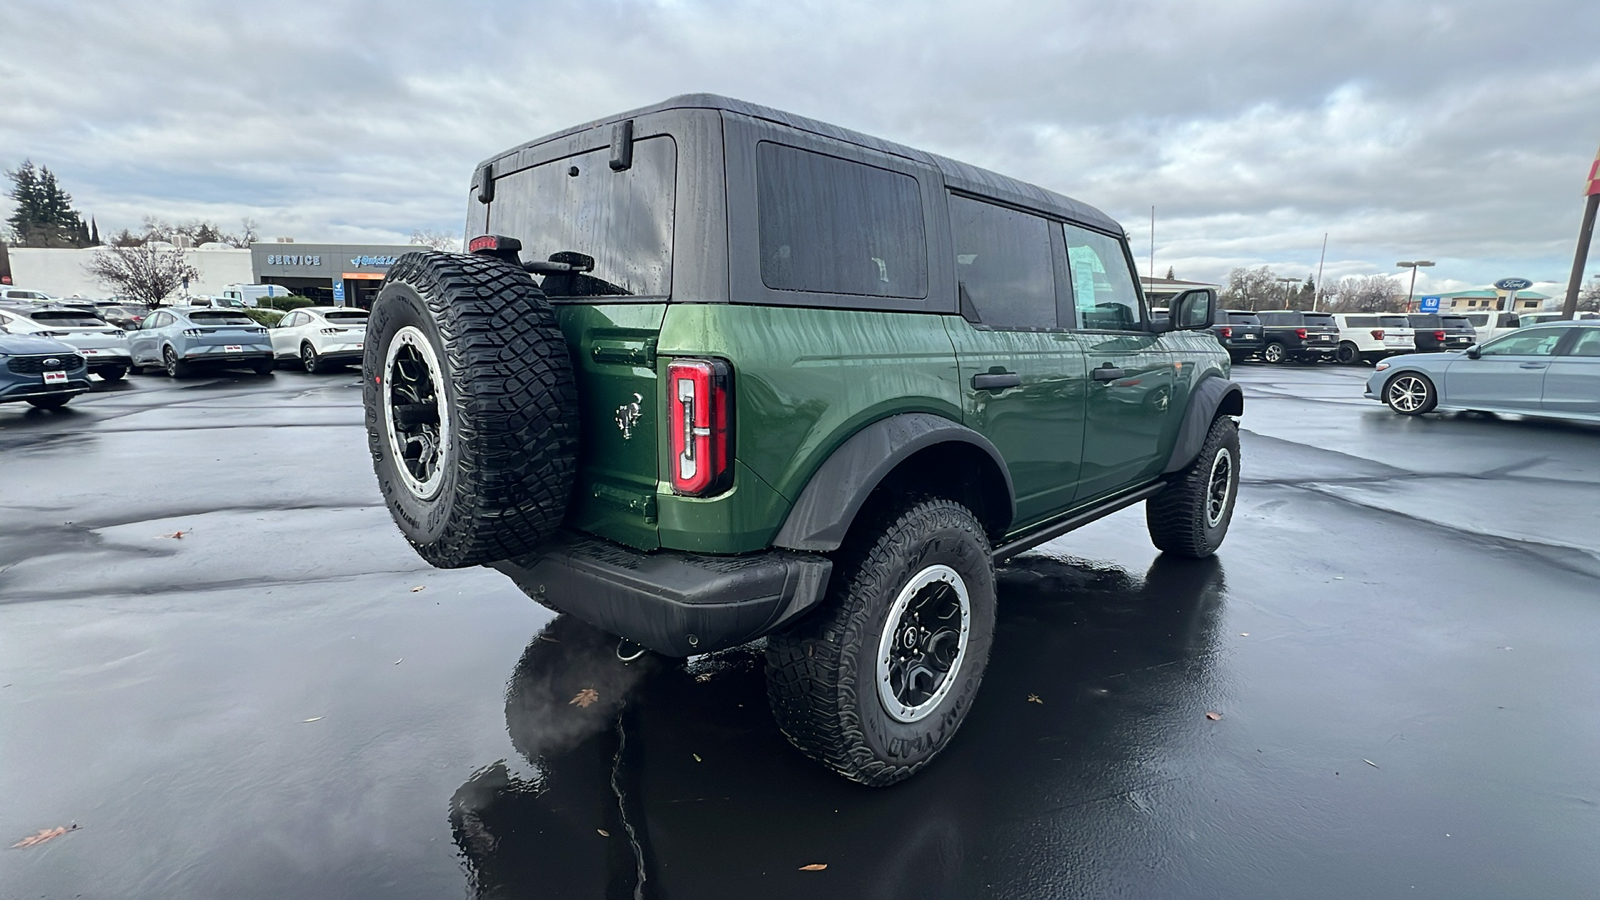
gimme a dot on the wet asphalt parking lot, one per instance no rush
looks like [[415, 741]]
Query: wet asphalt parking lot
[[1398, 638]]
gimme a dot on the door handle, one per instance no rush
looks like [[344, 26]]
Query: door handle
[[1107, 372], [1533, 365], [996, 381]]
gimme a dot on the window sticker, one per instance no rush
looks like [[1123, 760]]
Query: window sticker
[[1085, 263]]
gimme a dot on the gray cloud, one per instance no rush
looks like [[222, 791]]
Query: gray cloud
[[1458, 131]]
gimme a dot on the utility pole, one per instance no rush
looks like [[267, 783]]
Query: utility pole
[[1153, 246], [1316, 291], [1585, 231]]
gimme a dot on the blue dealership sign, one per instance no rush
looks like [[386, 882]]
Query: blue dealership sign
[[1430, 304], [338, 292]]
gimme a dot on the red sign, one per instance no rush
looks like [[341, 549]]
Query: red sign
[[1594, 178]]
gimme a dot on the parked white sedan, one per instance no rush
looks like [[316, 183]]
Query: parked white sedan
[[320, 337]]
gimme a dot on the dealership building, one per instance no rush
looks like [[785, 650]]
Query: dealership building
[[331, 274]]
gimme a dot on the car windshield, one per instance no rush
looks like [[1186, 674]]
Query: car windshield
[[66, 318], [352, 316], [220, 318]]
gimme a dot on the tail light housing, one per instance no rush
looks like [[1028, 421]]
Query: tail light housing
[[700, 426], [1225, 331], [1300, 333], [1438, 336], [1377, 334]]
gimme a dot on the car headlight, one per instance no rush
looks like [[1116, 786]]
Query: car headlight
[[1381, 366]]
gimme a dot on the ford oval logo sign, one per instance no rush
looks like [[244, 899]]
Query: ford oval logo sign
[[1513, 284], [52, 361]]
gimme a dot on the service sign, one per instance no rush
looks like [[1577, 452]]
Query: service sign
[[1513, 284]]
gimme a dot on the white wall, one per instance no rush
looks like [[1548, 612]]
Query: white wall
[[61, 272]]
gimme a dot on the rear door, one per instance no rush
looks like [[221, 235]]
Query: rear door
[[1508, 374], [1130, 374], [1022, 373], [1572, 383]]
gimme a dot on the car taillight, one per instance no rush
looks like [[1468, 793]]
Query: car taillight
[[700, 425], [1300, 333], [192, 332], [1377, 334], [1438, 335], [1225, 331]]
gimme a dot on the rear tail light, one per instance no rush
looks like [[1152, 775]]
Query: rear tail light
[[700, 425], [1438, 335], [192, 332], [332, 330], [1225, 331], [1377, 334], [1300, 333]]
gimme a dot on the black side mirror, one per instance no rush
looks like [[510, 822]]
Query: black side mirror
[[1194, 310], [1473, 352]]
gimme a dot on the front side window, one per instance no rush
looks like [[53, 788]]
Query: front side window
[[835, 226], [1531, 343], [1004, 274], [615, 227], [1103, 291]]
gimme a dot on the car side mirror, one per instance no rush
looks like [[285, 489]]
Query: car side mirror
[[1473, 352], [1193, 310]]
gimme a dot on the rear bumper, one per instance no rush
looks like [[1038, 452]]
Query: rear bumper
[[218, 355], [674, 603]]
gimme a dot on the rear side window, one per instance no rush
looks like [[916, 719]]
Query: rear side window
[[577, 210], [1358, 321], [1588, 343], [835, 226], [1241, 319], [220, 318], [1103, 292], [1004, 273], [67, 319]]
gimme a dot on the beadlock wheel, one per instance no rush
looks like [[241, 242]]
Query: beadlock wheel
[[418, 417], [923, 643]]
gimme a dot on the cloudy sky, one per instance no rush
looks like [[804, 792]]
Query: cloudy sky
[[1457, 131]]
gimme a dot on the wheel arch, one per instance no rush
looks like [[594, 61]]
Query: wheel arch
[[1212, 397], [908, 451]]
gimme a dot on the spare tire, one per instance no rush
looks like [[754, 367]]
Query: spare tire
[[471, 408]]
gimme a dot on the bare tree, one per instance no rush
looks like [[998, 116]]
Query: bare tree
[[1589, 296], [143, 272], [1366, 294], [438, 240], [249, 233], [1253, 289]]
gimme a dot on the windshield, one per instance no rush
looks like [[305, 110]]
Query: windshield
[[351, 316], [220, 318], [615, 228], [67, 319]]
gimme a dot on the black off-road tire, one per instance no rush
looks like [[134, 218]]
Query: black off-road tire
[[264, 367], [1191, 516], [508, 464], [822, 676]]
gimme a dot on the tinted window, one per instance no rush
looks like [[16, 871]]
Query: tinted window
[[1243, 319], [1540, 342], [220, 318], [1457, 322], [1394, 322], [621, 221], [834, 226], [1103, 292], [1317, 319], [1004, 273], [67, 319], [1478, 320], [353, 315], [1361, 321], [1280, 318], [1424, 321]]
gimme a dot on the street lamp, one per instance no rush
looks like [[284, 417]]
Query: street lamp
[[1286, 282], [1413, 266]]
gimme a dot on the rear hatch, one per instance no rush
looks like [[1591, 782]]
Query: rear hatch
[[84, 331], [226, 329], [1243, 330], [599, 241], [1458, 332], [347, 324], [1397, 333], [1321, 331]]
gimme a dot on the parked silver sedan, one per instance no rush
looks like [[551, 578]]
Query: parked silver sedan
[[181, 339], [1543, 370]]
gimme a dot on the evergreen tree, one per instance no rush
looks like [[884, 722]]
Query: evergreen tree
[[1170, 276], [94, 232], [44, 216]]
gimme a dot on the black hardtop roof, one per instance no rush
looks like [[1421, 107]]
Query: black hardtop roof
[[958, 175]]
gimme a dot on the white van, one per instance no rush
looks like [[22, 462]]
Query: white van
[[251, 294]]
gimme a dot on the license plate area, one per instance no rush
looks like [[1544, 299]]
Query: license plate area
[[55, 378], [232, 348]]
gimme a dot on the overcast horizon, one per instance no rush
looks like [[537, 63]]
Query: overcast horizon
[[1457, 132]]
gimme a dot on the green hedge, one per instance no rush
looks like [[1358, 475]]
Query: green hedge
[[286, 303], [267, 317]]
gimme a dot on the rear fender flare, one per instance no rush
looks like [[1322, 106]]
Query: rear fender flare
[[1212, 397], [828, 505]]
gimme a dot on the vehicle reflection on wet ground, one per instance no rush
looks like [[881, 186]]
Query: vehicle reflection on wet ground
[[1396, 642]]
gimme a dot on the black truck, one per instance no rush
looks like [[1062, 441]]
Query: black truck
[[1290, 334], [1239, 333]]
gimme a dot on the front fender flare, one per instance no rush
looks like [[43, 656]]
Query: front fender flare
[[822, 515], [1208, 398]]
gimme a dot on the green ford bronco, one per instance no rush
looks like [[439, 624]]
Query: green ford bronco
[[712, 372]]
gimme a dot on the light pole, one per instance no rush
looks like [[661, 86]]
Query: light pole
[[1286, 282], [1413, 266]]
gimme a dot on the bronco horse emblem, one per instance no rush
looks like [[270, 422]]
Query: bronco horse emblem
[[628, 416]]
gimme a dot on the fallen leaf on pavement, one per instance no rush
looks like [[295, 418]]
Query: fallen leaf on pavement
[[420, 587], [176, 534], [814, 867], [1034, 698], [1213, 716], [585, 697], [307, 721], [602, 832], [44, 834]]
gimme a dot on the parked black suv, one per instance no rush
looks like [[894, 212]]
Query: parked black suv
[[1436, 333], [1292, 334], [1239, 332]]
